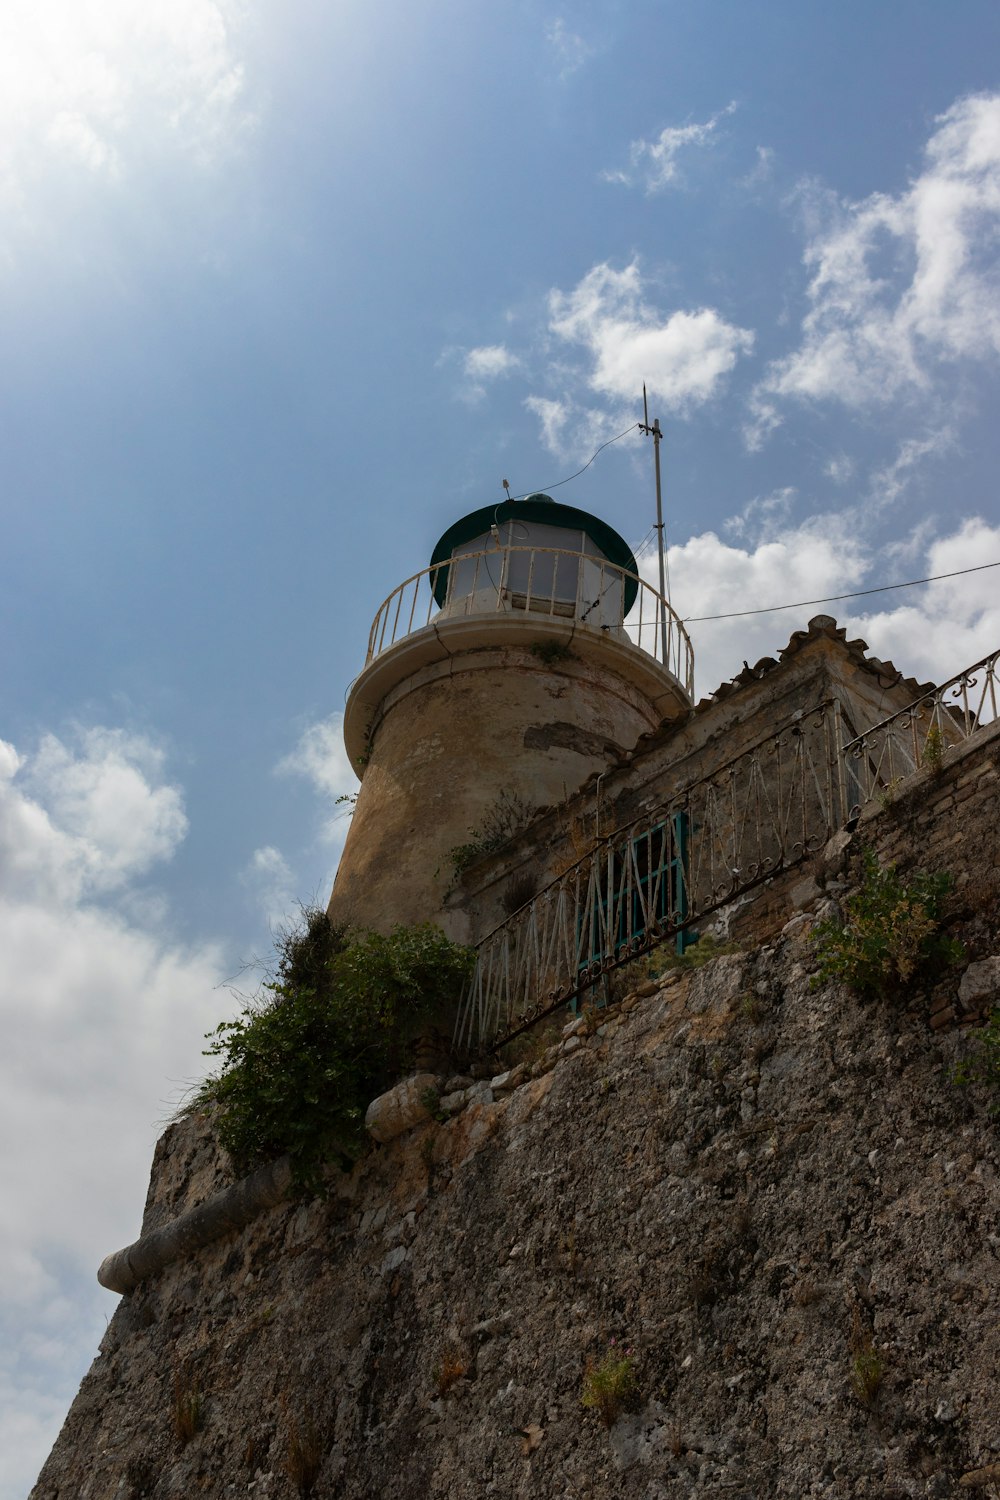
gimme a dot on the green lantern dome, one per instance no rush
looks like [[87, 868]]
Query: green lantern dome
[[537, 510]]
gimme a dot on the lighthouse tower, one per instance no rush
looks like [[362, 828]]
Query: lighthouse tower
[[526, 657]]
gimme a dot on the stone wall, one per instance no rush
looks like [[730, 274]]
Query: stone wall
[[760, 1187], [757, 1187]]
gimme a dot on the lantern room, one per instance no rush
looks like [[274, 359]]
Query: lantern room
[[538, 558]]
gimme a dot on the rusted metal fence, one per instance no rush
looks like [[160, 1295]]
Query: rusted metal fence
[[922, 734], [762, 811]]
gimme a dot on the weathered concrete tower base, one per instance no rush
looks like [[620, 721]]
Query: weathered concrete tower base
[[467, 716]]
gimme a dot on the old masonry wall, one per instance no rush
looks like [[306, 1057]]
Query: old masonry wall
[[749, 1181]]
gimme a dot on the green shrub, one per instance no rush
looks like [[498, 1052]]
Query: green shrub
[[610, 1386], [932, 756], [337, 1026], [891, 931], [868, 1377], [983, 1063]]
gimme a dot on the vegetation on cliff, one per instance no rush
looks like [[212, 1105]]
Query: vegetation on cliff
[[891, 931], [338, 1023], [982, 1064]]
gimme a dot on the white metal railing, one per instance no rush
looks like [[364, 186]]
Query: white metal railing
[[541, 581], [921, 734], [764, 811]]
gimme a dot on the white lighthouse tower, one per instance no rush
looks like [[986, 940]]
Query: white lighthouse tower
[[527, 656]]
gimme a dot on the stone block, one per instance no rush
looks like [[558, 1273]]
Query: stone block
[[394, 1259], [835, 853], [799, 926], [980, 982], [480, 1093], [977, 1479], [401, 1108]]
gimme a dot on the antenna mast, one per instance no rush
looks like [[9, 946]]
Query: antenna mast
[[655, 433]]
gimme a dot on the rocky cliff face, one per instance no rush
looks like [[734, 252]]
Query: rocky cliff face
[[770, 1193]]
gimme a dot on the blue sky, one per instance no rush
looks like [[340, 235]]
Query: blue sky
[[285, 290]]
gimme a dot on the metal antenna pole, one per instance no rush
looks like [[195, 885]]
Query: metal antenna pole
[[655, 433]]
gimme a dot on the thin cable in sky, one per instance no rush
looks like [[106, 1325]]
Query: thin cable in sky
[[884, 588], [645, 544], [546, 487]]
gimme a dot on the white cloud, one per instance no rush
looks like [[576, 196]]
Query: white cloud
[[930, 632], [490, 361], [320, 756], [656, 162], [890, 481], [768, 514], [710, 576], [903, 288], [553, 416], [840, 468], [270, 878], [84, 821], [480, 366], [103, 1022], [570, 49], [570, 430], [762, 169], [936, 631], [682, 358], [103, 86]]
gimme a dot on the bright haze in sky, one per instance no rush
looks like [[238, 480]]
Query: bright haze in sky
[[287, 289]]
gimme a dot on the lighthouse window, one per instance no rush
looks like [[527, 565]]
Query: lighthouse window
[[476, 570], [532, 566]]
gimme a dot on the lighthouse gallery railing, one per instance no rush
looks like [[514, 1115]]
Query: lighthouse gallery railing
[[762, 812], [539, 582]]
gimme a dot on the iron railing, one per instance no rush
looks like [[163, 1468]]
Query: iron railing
[[922, 734], [763, 811], [539, 581]]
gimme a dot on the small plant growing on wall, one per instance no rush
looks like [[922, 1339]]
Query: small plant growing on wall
[[448, 1372], [610, 1386], [517, 893], [868, 1368], [550, 653], [304, 1454], [887, 795], [891, 931], [188, 1408], [982, 1065], [867, 1377], [508, 815], [933, 752]]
